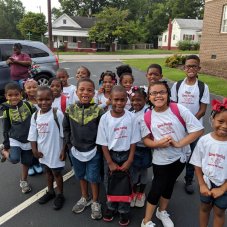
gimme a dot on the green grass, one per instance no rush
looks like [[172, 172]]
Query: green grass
[[122, 52], [216, 85]]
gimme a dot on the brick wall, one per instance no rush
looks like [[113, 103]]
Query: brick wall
[[213, 48]]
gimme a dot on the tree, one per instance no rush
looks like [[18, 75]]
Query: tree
[[111, 24], [34, 24], [11, 11]]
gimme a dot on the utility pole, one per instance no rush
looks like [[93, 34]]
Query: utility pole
[[49, 24]]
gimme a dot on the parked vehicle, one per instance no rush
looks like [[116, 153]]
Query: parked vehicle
[[39, 53]]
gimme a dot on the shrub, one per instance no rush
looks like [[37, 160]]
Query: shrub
[[188, 45], [175, 60]]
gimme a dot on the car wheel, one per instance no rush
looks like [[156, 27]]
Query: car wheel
[[42, 80]]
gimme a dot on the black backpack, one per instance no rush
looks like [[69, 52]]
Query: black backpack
[[201, 86]]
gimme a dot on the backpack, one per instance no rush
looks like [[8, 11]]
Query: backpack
[[55, 117], [201, 86], [174, 108], [63, 103]]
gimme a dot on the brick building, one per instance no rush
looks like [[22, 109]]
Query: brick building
[[213, 49]]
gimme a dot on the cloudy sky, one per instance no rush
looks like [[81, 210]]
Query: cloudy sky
[[39, 5]]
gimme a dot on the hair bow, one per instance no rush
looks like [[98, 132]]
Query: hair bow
[[217, 105]]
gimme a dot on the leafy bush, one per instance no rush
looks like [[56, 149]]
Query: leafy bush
[[188, 45], [61, 47], [175, 60]]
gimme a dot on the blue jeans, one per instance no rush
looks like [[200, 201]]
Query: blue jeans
[[119, 158]]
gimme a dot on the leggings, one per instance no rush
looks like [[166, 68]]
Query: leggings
[[163, 182]]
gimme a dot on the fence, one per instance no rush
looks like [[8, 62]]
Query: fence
[[141, 46]]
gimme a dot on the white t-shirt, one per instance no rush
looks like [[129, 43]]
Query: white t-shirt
[[188, 96], [83, 156], [118, 133], [211, 155], [49, 140], [102, 101], [57, 103], [69, 92], [76, 99], [23, 146], [167, 124]]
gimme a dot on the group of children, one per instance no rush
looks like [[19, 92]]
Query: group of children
[[120, 128]]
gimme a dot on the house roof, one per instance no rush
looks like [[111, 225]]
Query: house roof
[[190, 23], [84, 22], [68, 28]]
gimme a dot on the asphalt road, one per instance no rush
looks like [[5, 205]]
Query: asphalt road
[[183, 208]]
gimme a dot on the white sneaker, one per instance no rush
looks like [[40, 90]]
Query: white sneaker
[[163, 216], [96, 211], [140, 200], [132, 204], [148, 224]]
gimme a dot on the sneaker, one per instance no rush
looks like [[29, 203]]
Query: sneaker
[[148, 224], [96, 212], [46, 198], [31, 171], [132, 204], [59, 202], [38, 168], [25, 187], [189, 187], [124, 219], [140, 200], [108, 215], [81, 205], [2, 157], [163, 216]]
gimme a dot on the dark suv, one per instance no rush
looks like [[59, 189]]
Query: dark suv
[[39, 53]]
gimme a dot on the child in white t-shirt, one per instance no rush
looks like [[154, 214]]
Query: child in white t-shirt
[[210, 161], [117, 133], [61, 102], [107, 81], [143, 157], [68, 89], [171, 150], [46, 137], [194, 95]]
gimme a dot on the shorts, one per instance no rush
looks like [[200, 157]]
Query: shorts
[[90, 170], [55, 170], [220, 202], [17, 155]]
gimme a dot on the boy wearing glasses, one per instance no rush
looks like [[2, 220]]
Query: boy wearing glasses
[[193, 94]]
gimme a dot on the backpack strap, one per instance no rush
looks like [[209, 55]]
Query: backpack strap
[[35, 115], [29, 106], [178, 87], [201, 86], [147, 119], [174, 108], [63, 103], [56, 117]]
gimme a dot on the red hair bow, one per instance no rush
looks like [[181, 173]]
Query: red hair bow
[[217, 105]]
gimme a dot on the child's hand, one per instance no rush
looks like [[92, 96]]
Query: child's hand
[[113, 166], [217, 192], [204, 190], [108, 102], [175, 143], [62, 156], [164, 142], [126, 165], [101, 90], [38, 154]]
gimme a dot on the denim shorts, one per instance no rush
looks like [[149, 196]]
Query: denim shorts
[[220, 202], [55, 170], [17, 155], [90, 170]]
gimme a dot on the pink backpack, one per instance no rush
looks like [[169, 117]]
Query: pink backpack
[[174, 108]]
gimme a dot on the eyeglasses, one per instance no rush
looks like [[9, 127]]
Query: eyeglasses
[[191, 66], [155, 93]]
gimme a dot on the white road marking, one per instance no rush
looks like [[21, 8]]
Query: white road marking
[[10, 214]]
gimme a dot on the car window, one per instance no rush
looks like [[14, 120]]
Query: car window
[[6, 51], [37, 53], [25, 49]]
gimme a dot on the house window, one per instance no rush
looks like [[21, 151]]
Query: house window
[[74, 39], [65, 38], [224, 20], [165, 38], [55, 38], [64, 21], [174, 37], [188, 37]]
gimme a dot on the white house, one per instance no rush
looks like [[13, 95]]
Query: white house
[[178, 30], [72, 32]]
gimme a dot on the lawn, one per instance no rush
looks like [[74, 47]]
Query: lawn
[[216, 85], [129, 52]]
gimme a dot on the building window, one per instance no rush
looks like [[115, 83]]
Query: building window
[[165, 38], [74, 39], [64, 21], [188, 37], [65, 38], [174, 37], [224, 20]]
